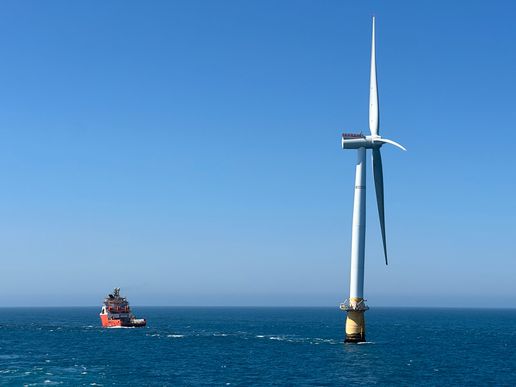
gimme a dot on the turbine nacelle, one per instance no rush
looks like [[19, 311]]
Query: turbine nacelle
[[356, 141]]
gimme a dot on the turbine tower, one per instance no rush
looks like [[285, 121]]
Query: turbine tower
[[355, 306]]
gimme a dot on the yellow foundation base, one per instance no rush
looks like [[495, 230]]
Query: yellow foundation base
[[355, 326]]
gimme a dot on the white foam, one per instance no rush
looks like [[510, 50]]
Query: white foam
[[318, 340], [175, 336]]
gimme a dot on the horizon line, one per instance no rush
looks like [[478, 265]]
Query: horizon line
[[265, 306]]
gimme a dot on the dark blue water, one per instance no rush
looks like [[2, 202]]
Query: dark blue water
[[258, 346]]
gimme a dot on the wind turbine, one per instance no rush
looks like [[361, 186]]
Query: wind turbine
[[355, 306]]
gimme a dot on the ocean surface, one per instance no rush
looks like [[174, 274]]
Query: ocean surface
[[258, 346]]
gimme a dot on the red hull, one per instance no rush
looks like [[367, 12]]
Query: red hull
[[112, 323]]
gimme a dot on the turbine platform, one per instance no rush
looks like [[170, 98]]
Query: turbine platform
[[346, 306], [355, 321]]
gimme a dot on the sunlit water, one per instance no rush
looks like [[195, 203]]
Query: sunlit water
[[257, 346]]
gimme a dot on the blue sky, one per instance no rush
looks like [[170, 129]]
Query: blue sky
[[189, 151]]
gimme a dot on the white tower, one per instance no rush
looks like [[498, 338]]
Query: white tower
[[355, 306]]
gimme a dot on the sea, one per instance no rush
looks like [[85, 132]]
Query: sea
[[257, 347]]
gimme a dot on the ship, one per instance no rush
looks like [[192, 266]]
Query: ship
[[116, 313]]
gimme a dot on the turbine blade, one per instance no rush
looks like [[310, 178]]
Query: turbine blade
[[378, 185], [384, 140], [373, 92]]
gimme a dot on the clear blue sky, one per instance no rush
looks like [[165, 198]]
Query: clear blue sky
[[189, 151]]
